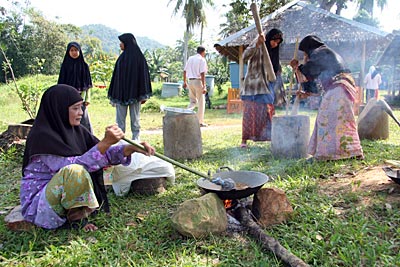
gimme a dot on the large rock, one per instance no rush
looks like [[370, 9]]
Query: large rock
[[271, 206], [15, 221], [201, 216], [373, 121]]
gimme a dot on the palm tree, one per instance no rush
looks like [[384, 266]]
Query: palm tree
[[341, 4], [368, 5], [193, 12]]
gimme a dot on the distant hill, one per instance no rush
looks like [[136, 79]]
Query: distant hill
[[109, 38]]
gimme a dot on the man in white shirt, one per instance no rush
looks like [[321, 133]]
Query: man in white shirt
[[194, 78], [372, 81]]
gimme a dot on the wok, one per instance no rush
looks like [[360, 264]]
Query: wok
[[392, 174], [252, 181], [247, 182]]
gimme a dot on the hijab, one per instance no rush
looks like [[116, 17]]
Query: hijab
[[373, 71], [323, 62], [75, 72], [274, 34], [51, 132], [310, 43], [130, 81]]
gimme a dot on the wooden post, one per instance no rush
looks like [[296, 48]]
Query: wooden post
[[362, 72], [241, 66]]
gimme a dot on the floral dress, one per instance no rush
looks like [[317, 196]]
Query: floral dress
[[47, 189], [335, 134]]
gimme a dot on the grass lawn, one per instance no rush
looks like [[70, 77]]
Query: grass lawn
[[339, 219]]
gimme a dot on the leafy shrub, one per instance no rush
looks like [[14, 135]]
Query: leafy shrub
[[151, 105]]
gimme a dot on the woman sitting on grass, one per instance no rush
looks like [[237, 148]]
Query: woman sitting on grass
[[62, 181]]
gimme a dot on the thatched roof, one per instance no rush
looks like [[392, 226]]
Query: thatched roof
[[298, 19], [389, 62], [391, 55]]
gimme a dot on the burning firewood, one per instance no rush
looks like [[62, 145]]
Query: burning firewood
[[266, 241]]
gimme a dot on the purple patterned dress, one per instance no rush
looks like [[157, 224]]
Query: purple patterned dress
[[40, 171]]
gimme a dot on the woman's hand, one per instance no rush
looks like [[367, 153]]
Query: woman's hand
[[260, 40], [149, 150], [112, 136], [294, 63], [302, 94]]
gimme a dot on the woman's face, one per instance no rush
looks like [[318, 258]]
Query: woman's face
[[274, 43], [305, 57], [122, 46], [74, 52], [75, 113]]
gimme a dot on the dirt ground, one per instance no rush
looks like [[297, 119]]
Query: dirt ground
[[368, 182]]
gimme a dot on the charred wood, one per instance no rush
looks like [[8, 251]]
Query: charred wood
[[267, 242]]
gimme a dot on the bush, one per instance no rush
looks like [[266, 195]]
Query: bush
[[151, 105]]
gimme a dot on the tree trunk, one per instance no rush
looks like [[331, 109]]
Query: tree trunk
[[266, 241], [201, 33], [327, 4], [368, 5], [185, 47]]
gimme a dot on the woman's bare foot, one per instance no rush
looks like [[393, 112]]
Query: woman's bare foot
[[78, 213], [90, 227]]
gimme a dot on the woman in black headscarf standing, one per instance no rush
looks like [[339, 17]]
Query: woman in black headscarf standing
[[257, 93], [130, 83], [75, 72], [335, 134], [62, 178]]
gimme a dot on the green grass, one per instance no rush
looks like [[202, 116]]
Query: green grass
[[364, 234]]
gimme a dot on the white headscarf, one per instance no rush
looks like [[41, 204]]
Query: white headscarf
[[371, 70]]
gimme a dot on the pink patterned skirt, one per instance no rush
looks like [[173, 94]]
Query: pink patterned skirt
[[257, 121], [335, 134]]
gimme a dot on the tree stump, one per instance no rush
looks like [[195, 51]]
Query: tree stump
[[290, 136], [182, 136], [149, 186], [21, 130]]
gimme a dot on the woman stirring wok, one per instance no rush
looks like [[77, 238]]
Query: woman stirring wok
[[62, 181], [335, 133]]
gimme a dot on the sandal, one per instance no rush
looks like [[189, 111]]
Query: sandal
[[243, 146]]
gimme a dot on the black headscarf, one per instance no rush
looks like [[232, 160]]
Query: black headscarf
[[51, 132], [274, 34], [323, 62], [75, 72], [130, 81], [310, 43]]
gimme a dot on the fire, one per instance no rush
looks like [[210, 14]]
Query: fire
[[228, 203]]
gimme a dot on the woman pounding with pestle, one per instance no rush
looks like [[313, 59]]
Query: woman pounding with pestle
[[335, 133]]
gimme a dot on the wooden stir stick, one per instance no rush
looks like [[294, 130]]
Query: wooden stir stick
[[296, 49]]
